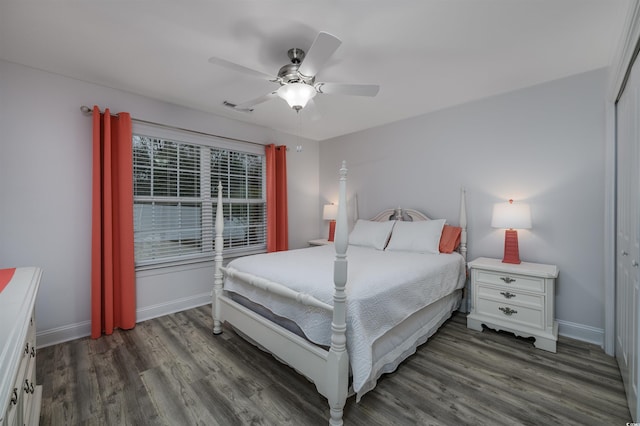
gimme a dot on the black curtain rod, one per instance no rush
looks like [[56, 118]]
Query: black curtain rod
[[86, 110]]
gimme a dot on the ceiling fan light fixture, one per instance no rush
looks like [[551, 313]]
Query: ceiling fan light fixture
[[297, 94]]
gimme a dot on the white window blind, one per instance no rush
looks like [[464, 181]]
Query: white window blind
[[175, 199]]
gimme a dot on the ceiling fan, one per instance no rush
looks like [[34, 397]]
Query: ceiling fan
[[297, 79]]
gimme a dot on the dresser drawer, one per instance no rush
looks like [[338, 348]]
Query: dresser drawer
[[28, 391], [507, 280], [15, 410], [11, 415], [20, 398], [510, 296], [516, 314]]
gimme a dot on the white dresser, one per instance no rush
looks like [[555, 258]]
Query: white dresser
[[20, 398], [517, 298]]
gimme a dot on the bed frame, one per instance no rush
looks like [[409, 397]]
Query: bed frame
[[328, 370]]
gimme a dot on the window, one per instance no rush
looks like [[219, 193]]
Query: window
[[175, 197]]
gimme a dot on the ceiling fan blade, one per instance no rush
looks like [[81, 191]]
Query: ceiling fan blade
[[348, 89], [239, 68], [250, 104], [319, 53]]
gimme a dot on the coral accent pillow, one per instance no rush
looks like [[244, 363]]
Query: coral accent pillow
[[450, 239]]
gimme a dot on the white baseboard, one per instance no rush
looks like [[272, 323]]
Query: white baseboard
[[69, 332], [65, 333], [173, 306], [581, 332]]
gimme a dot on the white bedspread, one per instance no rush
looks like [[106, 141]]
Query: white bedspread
[[383, 289]]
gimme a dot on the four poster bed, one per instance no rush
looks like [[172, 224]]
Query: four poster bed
[[295, 305]]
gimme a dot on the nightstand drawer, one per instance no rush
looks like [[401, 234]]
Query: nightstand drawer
[[516, 314], [515, 281], [513, 297]]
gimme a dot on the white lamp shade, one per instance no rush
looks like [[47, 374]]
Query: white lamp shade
[[330, 212], [511, 216], [297, 94]]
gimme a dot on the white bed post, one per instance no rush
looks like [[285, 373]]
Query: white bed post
[[466, 302], [463, 224], [338, 359], [217, 277], [355, 208]]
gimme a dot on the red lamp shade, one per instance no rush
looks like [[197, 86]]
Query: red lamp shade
[[330, 213], [511, 217]]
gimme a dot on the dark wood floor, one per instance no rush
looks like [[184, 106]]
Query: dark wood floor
[[173, 371]]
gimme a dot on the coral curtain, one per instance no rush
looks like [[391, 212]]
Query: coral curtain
[[113, 291], [277, 216]]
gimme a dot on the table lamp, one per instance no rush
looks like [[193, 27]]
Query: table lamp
[[330, 213], [511, 216]]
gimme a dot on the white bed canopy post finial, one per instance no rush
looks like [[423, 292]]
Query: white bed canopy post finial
[[342, 225], [217, 277], [338, 359]]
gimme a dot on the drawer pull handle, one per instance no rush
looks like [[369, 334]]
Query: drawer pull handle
[[31, 388], [26, 349], [26, 385], [507, 295], [508, 311], [507, 280], [33, 351], [14, 398]]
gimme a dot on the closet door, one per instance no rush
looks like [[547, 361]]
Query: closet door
[[628, 237]]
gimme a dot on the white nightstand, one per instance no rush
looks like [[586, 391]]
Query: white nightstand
[[516, 298], [320, 242]]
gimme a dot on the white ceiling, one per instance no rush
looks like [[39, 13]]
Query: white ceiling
[[425, 54]]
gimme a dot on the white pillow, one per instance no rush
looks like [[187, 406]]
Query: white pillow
[[422, 236], [371, 234]]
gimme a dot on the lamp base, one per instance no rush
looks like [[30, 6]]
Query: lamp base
[[511, 252], [332, 230]]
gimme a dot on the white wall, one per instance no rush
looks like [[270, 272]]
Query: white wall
[[543, 145], [45, 193]]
